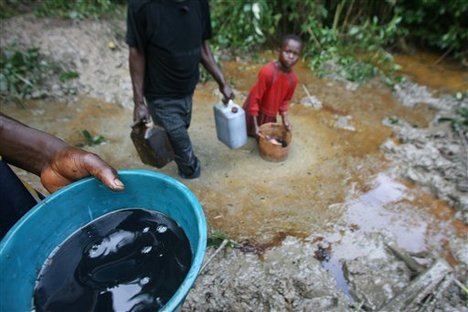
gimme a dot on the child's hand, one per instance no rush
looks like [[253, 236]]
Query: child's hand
[[288, 126], [257, 132]]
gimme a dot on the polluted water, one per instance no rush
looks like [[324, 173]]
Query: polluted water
[[127, 260]]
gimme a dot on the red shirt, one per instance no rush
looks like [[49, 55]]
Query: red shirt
[[272, 92]]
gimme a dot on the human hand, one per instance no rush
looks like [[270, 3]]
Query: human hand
[[71, 164], [288, 126], [141, 114], [258, 134], [227, 92]]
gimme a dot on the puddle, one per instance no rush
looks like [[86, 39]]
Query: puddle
[[334, 266], [428, 69], [383, 208], [410, 215], [416, 221]]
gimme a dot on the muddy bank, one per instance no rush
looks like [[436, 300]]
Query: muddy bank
[[290, 278], [310, 232], [435, 157], [91, 48]]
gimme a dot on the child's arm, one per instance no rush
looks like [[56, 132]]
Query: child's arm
[[285, 120], [257, 128], [283, 109], [256, 95]]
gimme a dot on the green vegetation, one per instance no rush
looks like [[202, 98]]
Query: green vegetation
[[459, 122], [21, 72], [68, 75], [91, 140], [393, 120], [352, 38], [79, 9], [355, 34], [216, 238], [26, 73]]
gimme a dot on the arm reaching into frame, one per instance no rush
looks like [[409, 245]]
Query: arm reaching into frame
[[53, 160]]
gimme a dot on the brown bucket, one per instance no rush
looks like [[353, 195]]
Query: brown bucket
[[270, 151]]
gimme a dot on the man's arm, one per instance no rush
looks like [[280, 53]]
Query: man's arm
[[57, 163], [136, 60], [209, 63]]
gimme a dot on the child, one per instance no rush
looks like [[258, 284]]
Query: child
[[274, 88]]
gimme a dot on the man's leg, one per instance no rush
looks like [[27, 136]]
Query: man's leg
[[174, 115], [16, 200]]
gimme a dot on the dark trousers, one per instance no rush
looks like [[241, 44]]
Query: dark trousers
[[15, 199], [174, 115]]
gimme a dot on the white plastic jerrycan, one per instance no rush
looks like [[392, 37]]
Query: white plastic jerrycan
[[230, 124]]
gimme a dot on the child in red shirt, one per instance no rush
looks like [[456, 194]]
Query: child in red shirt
[[274, 88]]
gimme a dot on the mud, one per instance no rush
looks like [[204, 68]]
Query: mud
[[353, 179]]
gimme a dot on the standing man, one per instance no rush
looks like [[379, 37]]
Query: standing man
[[167, 40]]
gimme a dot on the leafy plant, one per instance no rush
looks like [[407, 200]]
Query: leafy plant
[[333, 31], [68, 75], [459, 122], [92, 140], [27, 73], [344, 30], [393, 120], [242, 24], [216, 238], [79, 9], [436, 23], [21, 72]]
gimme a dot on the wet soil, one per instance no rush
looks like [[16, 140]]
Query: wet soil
[[335, 185]]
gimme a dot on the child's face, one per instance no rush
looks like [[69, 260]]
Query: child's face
[[289, 53]]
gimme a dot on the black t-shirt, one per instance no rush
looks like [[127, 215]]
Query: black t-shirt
[[170, 34]]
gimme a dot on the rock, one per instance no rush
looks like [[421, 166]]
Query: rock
[[311, 101], [410, 94], [459, 249], [434, 157], [343, 122], [376, 281]]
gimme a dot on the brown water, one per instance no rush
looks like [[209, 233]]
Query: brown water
[[333, 179], [431, 70]]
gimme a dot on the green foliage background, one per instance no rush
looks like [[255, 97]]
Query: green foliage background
[[435, 23], [356, 35], [248, 24]]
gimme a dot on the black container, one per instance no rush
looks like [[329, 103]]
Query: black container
[[152, 144]]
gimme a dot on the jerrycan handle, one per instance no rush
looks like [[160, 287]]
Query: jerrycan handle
[[139, 123], [230, 104]]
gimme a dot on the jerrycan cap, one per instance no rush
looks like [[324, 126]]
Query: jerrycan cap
[[231, 104]]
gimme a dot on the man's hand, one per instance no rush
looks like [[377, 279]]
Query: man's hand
[[227, 92], [141, 114], [71, 164]]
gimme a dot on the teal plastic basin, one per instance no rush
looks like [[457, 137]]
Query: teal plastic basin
[[26, 246]]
